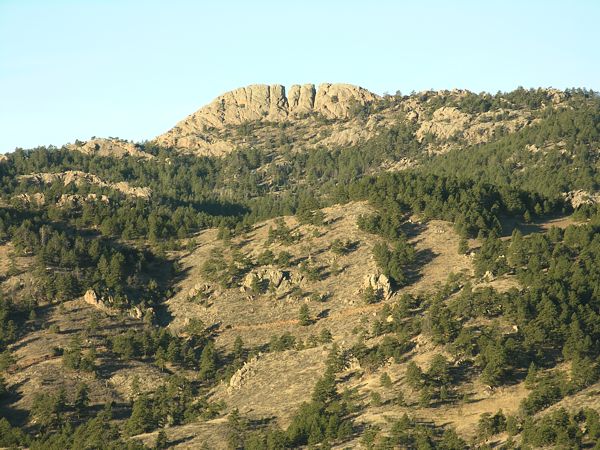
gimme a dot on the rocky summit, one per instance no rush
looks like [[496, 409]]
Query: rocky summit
[[267, 104]]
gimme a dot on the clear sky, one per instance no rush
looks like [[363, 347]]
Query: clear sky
[[133, 68]]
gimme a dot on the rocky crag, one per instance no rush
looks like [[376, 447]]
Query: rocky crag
[[201, 131]]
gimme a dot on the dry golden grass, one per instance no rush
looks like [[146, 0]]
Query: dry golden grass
[[211, 434], [39, 370], [278, 382]]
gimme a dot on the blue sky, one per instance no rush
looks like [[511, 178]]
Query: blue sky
[[132, 69]]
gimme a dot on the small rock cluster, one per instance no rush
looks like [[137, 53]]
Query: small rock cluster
[[278, 281], [105, 304]]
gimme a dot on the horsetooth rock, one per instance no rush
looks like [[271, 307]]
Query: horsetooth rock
[[268, 103]]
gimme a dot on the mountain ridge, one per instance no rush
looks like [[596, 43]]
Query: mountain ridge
[[338, 115]]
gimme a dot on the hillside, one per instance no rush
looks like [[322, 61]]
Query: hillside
[[312, 267]]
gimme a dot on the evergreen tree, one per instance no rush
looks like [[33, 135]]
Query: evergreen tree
[[162, 441], [82, 398], [304, 315], [142, 418], [208, 362]]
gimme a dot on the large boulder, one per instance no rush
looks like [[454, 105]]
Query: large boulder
[[91, 298], [380, 284]]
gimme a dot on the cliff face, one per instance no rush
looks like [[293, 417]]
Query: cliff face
[[199, 131]]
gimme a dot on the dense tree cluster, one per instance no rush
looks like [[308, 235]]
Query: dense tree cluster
[[158, 344]]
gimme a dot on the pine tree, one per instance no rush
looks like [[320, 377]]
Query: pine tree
[[3, 388], [439, 370], [517, 256], [142, 417], [304, 315], [82, 398], [385, 380], [208, 362], [414, 375], [463, 246], [162, 441], [174, 352], [238, 348], [160, 358], [116, 271], [531, 378], [325, 390]]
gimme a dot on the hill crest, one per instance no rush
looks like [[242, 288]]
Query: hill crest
[[270, 103]]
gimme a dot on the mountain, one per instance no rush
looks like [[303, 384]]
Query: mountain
[[309, 268]]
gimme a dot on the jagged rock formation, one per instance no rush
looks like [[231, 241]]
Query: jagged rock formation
[[242, 375], [278, 280], [109, 147], [261, 103], [380, 285], [80, 178]]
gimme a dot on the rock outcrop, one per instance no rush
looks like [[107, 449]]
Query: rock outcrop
[[202, 289], [276, 279], [242, 375], [380, 285], [76, 199], [79, 178], [339, 115], [36, 199], [581, 197], [39, 199], [448, 122], [116, 148], [262, 103], [107, 305], [91, 298]]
